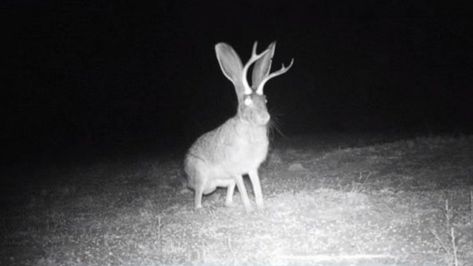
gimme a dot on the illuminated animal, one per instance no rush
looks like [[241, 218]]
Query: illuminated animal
[[220, 158]]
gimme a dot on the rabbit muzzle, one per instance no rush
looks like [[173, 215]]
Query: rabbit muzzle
[[253, 109], [264, 119]]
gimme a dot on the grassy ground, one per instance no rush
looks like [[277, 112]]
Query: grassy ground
[[328, 201]]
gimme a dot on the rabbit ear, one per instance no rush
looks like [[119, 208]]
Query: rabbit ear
[[229, 62], [262, 66]]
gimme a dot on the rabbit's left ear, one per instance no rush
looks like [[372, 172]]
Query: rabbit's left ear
[[262, 66], [229, 62]]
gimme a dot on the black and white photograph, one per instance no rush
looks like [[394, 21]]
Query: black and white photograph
[[236, 133]]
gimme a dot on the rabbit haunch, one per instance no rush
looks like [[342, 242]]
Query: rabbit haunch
[[228, 151], [221, 157]]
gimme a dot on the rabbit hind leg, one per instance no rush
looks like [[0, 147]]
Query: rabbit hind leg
[[230, 185]]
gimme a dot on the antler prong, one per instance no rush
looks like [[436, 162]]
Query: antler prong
[[254, 57], [281, 71]]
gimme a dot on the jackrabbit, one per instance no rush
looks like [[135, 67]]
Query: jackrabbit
[[221, 157]]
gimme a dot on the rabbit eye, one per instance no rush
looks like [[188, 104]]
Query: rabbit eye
[[248, 101]]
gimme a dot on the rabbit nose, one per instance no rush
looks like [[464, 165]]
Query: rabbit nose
[[266, 118]]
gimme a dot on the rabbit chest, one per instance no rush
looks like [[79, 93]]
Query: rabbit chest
[[232, 149], [248, 149]]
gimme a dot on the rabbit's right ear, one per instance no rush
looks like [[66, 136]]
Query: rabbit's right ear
[[229, 62], [262, 66]]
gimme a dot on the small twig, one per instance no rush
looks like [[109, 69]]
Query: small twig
[[368, 175], [454, 246], [447, 215], [160, 237], [452, 251], [442, 244], [212, 213], [388, 207], [357, 186], [471, 205], [451, 229], [230, 247], [159, 224]]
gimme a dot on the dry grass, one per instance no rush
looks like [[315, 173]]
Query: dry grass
[[363, 204]]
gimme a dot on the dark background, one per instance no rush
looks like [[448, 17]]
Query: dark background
[[94, 77]]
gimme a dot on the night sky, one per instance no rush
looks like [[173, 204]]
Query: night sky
[[92, 76]]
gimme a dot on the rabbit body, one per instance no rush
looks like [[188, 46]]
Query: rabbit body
[[221, 157], [233, 149]]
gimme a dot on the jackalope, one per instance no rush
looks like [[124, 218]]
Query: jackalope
[[220, 158]]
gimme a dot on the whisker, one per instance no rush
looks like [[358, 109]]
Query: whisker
[[274, 125]]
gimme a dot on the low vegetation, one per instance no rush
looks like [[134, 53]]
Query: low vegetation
[[327, 202]]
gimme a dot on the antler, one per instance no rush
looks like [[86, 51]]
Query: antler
[[281, 71], [253, 58]]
